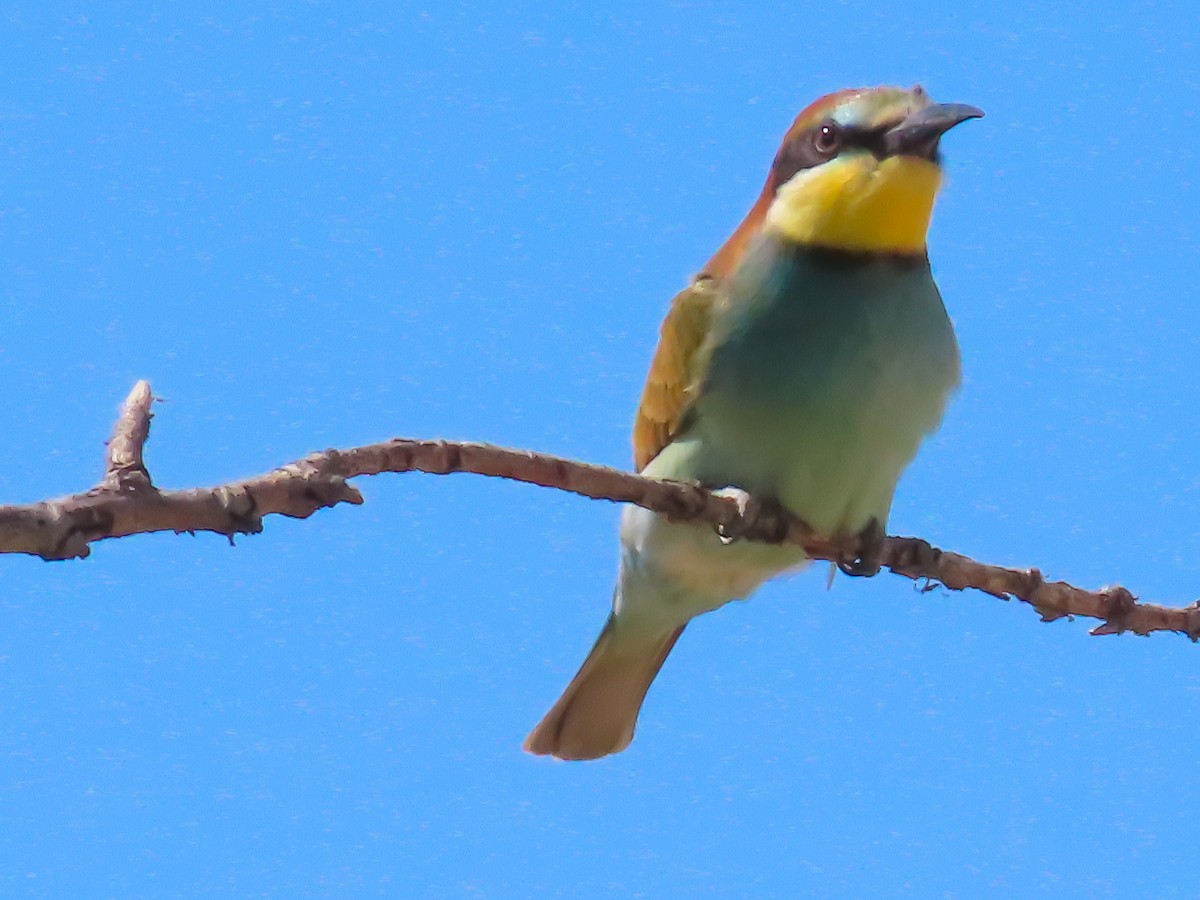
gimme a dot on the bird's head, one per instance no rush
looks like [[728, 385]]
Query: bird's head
[[859, 170]]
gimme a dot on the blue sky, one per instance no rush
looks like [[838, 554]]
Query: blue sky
[[328, 224]]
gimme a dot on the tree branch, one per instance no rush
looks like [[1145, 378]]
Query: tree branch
[[126, 502], [126, 468]]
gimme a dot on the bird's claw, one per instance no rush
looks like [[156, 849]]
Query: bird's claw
[[763, 511], [742, 499], [869, 559]]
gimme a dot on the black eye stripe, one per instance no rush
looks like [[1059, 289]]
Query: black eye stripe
[[806, 150], [873, 140]]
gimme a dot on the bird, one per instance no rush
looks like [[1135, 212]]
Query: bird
[[803, 367]]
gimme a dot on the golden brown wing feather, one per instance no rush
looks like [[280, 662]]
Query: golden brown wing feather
[[669, 382]]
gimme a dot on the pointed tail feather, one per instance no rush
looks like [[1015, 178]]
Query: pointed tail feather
[[597, 712]]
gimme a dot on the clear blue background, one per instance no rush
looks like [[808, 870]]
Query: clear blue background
[[324, 224]]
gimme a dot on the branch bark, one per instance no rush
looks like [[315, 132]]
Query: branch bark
[[126, 502]]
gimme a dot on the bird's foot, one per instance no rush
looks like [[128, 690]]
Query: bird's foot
[[869, 558], [765, 517]]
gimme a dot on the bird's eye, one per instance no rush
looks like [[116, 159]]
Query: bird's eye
[[828, 139]]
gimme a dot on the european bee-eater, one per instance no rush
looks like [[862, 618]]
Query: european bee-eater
[[805, 369]]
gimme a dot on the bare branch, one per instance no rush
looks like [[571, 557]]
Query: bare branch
[[126, 502], [125, 468]]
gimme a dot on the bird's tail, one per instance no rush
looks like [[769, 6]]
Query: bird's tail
[[598, 711]]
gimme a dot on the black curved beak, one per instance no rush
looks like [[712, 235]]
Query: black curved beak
[[918, 135]]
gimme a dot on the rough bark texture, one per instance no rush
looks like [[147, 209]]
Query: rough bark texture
[[126, 502]]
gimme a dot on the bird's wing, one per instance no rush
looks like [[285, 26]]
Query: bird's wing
[[669, 384]]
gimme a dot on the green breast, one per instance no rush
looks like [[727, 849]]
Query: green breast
[[824, 371]]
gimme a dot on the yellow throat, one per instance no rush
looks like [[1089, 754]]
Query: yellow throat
[[859, 203]]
